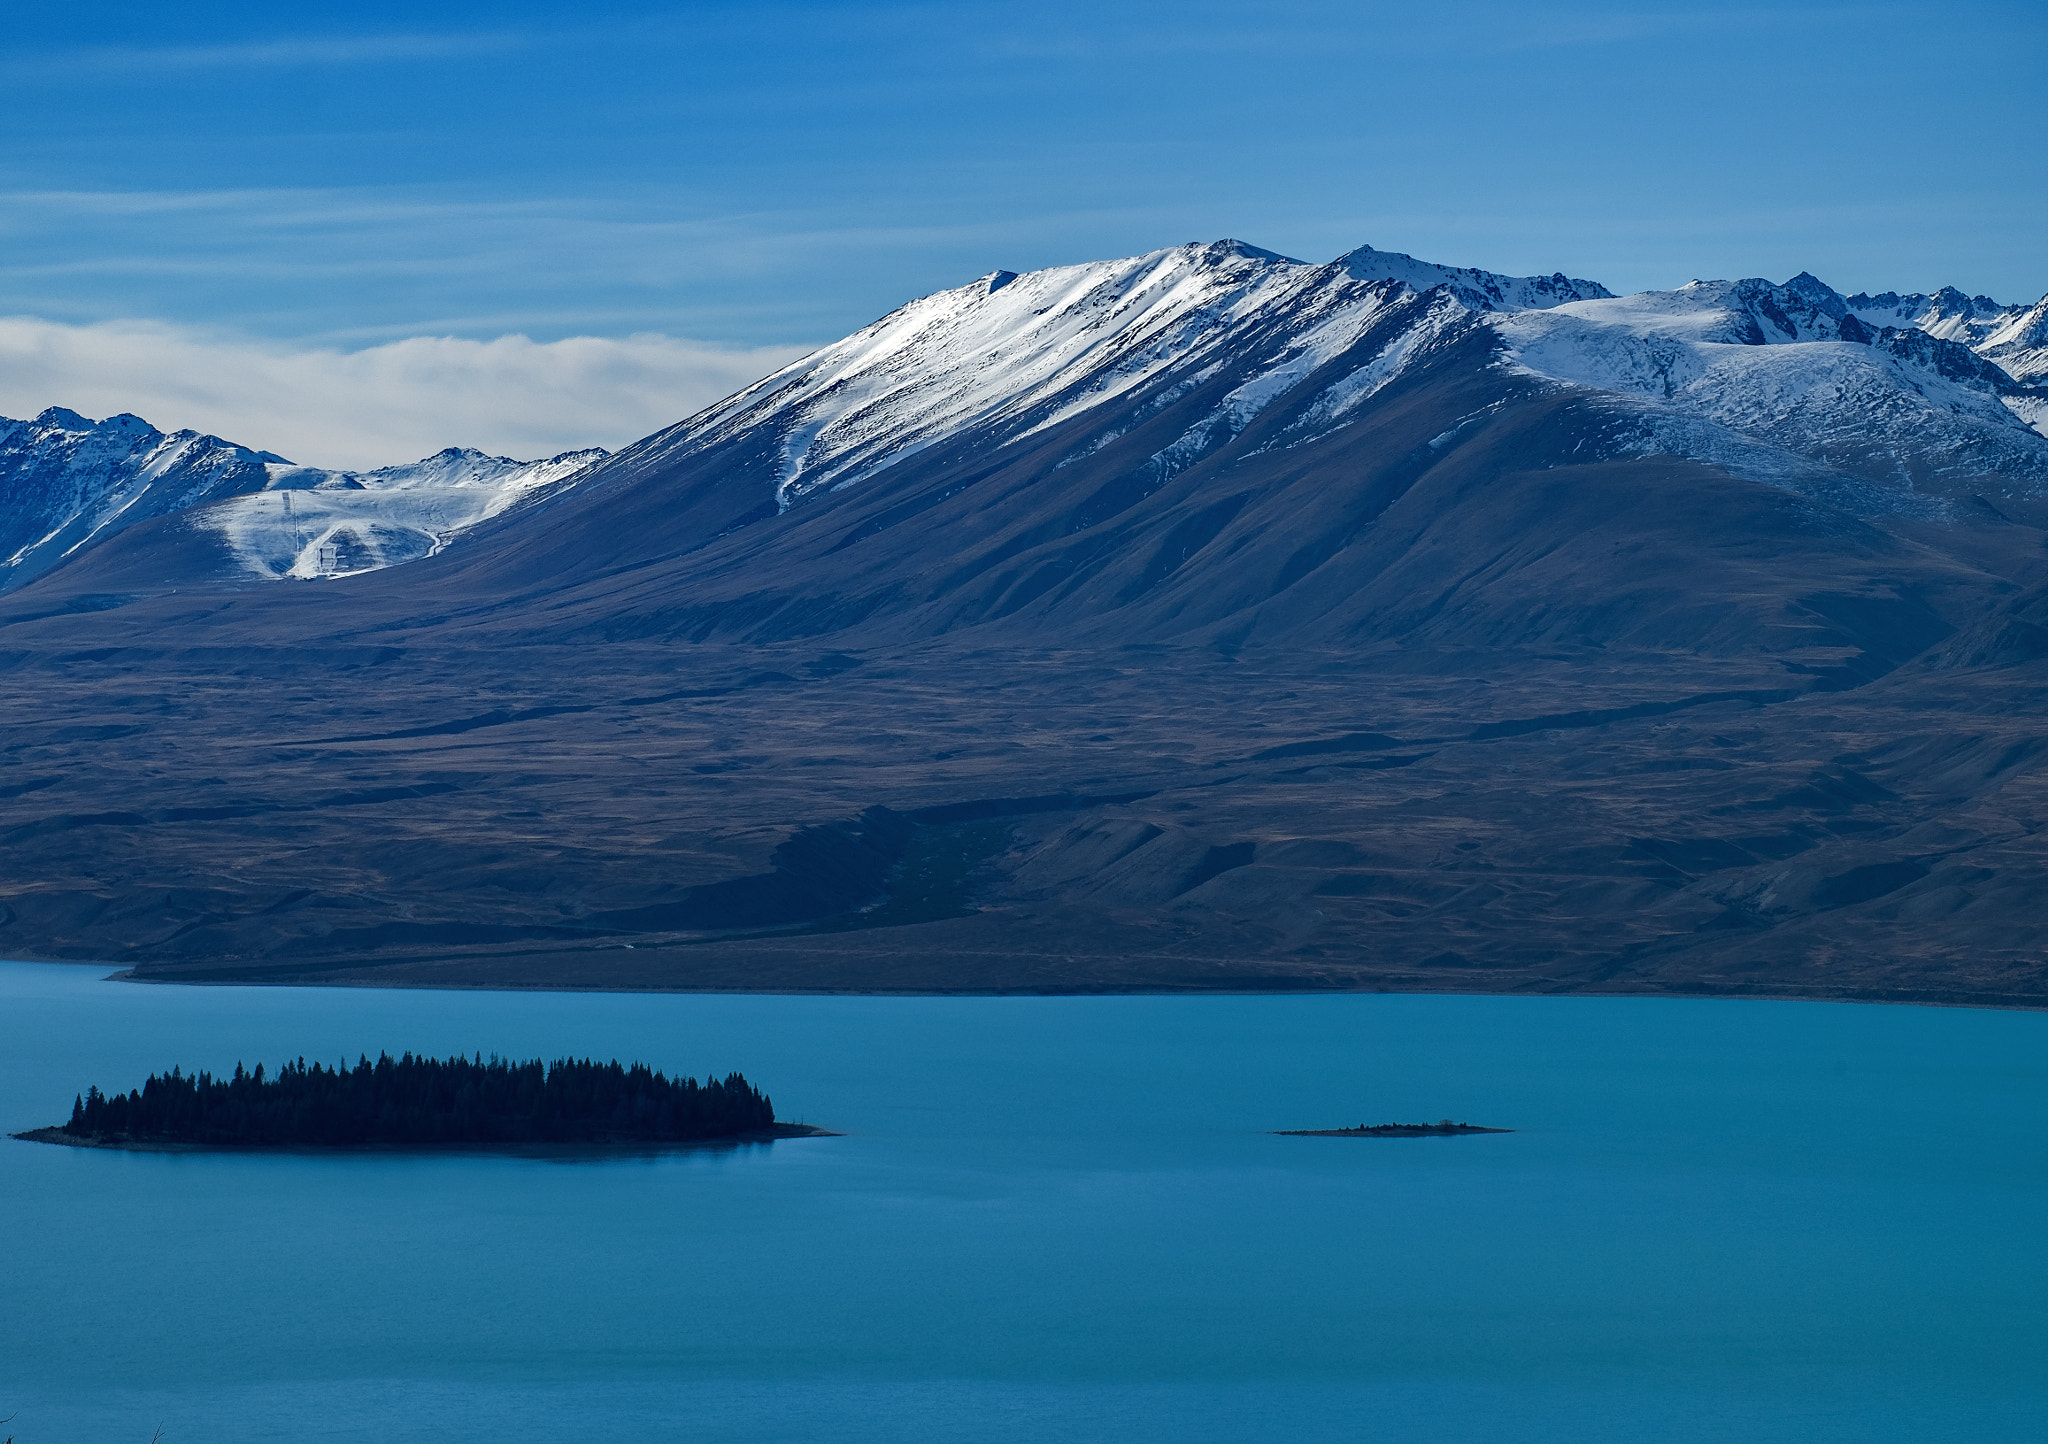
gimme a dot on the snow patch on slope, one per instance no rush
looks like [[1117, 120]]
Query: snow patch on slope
[[1326, 339], [2019, 344], [68, 482], [988, 354], [310, 522], [1334, 404], [2033, 410], [1748, 358]]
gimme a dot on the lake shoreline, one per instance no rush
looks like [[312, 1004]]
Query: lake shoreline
[[120, 974], [624, 1147], [356, 979]]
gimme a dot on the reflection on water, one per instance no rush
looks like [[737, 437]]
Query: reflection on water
[[1058, 1219]]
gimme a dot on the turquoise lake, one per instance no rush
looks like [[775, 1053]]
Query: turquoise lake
[[1058, 1219]]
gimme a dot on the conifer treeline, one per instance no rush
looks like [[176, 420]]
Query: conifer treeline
[[412, 1100]]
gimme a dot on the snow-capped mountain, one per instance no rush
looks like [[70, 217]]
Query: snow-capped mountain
[[68, 483], [1790, 383], [307, 522], [1948, 313], [1881, 403], [2020, 343], [1479, 290], [2020, 348], [1011, 355], [1793, 384]]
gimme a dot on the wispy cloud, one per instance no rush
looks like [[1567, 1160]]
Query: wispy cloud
[[1314, 30], [285, 53], [379, 405], [345, 266]]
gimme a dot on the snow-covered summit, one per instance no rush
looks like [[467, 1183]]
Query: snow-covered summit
[[1948, 313], [1792, 379], [68, 482], [1012, 355], [2019, 344], [2013, 337], [1476, 289], [1752, 312]]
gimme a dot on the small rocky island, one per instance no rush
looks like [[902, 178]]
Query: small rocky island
[[1444, 1129], [419, 1102]]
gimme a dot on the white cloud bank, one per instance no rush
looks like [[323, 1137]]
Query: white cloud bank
[[378, 406]]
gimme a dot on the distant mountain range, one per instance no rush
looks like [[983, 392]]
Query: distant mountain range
[[1877, 394], [68, 483], [1199, 619]]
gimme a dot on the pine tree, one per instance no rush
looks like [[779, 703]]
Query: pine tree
[[424, 1100]]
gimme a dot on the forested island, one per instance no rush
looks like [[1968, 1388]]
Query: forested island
[[1444, 1129], [411, 1102]]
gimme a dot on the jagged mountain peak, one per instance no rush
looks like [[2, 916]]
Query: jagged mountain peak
[[1758, 312], [69, 483], [1819, 293], [1230, 247], [121, 424], [2019, 344], [1949, 301], [66, 419], [1477, 289], [464, 466], [60, 426], [1751, 311], [1946, 301], [1948, 313]]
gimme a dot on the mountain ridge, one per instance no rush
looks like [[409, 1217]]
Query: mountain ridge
[[1170, 305], [69, 483]]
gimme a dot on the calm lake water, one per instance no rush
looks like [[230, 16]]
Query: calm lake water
[[1059, 1219]]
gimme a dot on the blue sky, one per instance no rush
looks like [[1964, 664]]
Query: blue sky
[[772, 175]]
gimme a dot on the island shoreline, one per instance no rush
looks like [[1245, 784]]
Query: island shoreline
[[1391, 1130], [596, 1148]]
